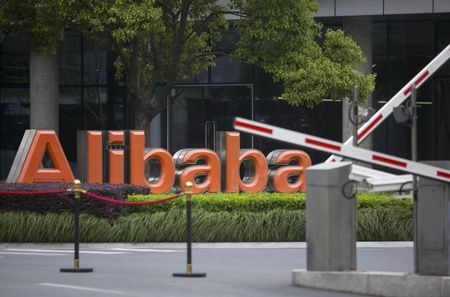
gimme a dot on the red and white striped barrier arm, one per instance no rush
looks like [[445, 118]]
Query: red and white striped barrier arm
[[340, 149], [382, 114]]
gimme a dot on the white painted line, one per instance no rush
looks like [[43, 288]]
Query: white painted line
[[30, 254], [145, 250], [89, 289], [65, 251]]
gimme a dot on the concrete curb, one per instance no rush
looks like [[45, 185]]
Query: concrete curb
[[182, 245], [385, 284]]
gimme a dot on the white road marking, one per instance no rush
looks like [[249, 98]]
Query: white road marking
[[30, 254], [146, 250], [85, 289], [65, 251]]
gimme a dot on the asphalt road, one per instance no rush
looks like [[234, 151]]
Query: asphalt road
[[146, 270]]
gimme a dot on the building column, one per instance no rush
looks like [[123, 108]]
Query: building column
[[44, 83], [360, 30]]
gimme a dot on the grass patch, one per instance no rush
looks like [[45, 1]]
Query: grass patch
[[169, 226]]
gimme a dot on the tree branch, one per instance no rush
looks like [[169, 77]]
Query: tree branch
[[166, 7]]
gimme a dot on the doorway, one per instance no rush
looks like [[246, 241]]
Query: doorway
[[194, 110]]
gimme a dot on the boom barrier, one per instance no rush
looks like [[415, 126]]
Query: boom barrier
[[382, 114], [340, 149]]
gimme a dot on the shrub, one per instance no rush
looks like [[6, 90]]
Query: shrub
[[62, 202], [260, 202], [216, 202]]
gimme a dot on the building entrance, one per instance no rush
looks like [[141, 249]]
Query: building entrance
[[195, 110]]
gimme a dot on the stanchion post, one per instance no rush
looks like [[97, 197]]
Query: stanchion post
[[189, 272], [76, 262]]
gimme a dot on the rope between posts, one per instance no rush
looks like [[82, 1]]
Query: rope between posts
[[96, 197], [55, 192], [130, 203]]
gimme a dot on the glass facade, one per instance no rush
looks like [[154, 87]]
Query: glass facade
[[401, 48], [85, 82], [89, 97]]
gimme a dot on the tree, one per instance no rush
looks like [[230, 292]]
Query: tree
[[284, 41], [161, 42], [42, 21], [158, 43]]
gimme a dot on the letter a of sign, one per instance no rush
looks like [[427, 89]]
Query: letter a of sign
[[31, 158]]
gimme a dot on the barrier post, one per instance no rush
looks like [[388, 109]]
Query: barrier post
[[76, 263], [330, 218], [189, 272]]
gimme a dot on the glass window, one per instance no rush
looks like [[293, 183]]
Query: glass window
[[380, 61], [94, 63], [192, 107], [443, 40], [226, 70], [307, 120], [14, 62], [410, 48], [70, 120], [401, 50], [14, 120], [70, 59], [95, 108]]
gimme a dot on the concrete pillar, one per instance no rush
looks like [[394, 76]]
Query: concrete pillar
[[44, 83], [330, 218], [360, 29], [433, 225]]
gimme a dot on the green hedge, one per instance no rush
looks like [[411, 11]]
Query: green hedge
[[217, 218], [258, 202]]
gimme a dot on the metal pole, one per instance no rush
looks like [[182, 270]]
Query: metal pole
[[189, 236], [355, 115], [189, 232], [414, 158], [76, 262]]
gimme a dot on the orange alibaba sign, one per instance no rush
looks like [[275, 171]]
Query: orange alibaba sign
[[120, 157]]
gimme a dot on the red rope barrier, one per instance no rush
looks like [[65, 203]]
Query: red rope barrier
[[35, 193], [130, 203]]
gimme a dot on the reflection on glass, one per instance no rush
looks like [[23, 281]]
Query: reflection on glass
[[324, 120], [70, 120], [70, 59], [95, 108], [14, 120], [94, 67], [192, 107], [14, 116], [14, 62], [226, 71]]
